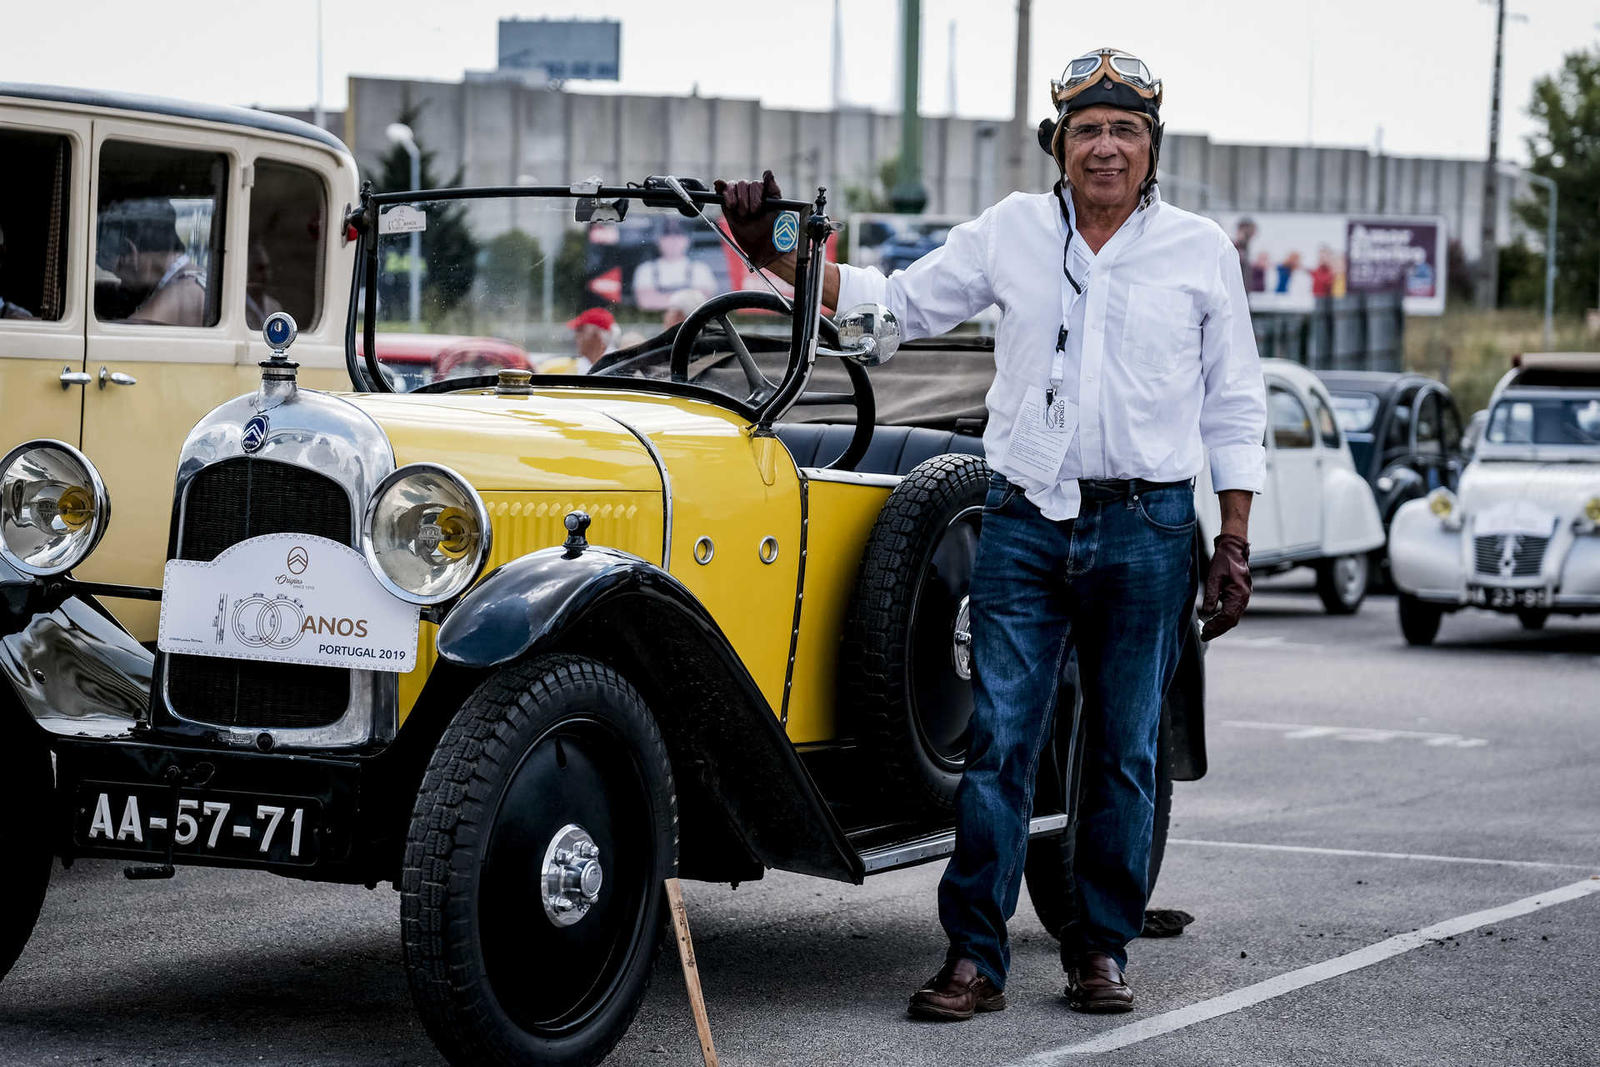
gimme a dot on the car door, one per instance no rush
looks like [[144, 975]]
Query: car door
[[44, 189], [1297, 473], [164, 343]]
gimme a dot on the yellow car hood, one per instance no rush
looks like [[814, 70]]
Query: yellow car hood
[[515, 442]]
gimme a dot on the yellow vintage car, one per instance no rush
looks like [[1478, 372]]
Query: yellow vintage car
[[525, 646]]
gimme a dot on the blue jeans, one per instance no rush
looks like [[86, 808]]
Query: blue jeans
[[1116, 583]]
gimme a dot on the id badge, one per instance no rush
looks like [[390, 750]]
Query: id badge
[[1041, 435]]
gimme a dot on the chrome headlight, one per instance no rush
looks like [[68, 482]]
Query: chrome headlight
[[426, 533], [53, 507], [1588, 520], [1442, 502]]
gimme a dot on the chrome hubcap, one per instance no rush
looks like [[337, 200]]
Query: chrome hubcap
[[572, 875], [1350, 573], [961, 641]]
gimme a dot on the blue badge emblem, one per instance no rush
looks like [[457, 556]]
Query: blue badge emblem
[[255, 433], [786, 232], [278, 332]]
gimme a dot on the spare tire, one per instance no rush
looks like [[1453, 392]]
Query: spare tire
[[906, 662]]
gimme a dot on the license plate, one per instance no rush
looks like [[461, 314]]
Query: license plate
[[1502, 599], [244, 827]]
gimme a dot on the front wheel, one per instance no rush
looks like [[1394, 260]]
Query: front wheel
[[1342, 583], [531, 898], [1419, 622], [26, 785]]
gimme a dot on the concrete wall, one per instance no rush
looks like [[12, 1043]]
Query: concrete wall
[[500, 132]]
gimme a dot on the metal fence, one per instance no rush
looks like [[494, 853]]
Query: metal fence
[[1363, 332]]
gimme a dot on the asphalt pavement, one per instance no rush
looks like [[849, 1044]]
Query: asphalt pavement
[[1359, 791]]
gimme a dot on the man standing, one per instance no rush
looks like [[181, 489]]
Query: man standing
[[1124, 361]]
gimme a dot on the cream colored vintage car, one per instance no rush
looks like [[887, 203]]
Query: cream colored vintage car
[[142, 244], [1316, 510], [1523, 534]]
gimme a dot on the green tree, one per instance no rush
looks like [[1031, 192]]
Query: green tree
[[512, 272], [449, 250], [572, 270], [1520, 277], [1567, 150]]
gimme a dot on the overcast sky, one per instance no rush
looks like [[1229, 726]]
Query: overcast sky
[[1282, 71]]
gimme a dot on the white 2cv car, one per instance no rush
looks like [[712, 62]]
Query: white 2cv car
[[1523, 535], [1316, 511]]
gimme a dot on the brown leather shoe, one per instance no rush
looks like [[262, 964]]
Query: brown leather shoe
[[955, 993], [1096, 984]]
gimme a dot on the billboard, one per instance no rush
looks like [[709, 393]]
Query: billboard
[[562, 48], [1390, 254], [1291, 260]]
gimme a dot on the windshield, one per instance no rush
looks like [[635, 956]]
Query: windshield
[[1355, 411], [1562, 421], [466, 287]]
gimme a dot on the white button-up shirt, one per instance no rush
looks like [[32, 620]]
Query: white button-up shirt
[[1160, 357]]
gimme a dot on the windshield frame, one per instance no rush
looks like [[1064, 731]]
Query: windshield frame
[[366, 374]]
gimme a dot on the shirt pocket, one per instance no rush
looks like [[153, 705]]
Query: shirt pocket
[[1160, 332]]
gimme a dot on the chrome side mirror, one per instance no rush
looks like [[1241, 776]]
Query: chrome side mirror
[[868, 334]]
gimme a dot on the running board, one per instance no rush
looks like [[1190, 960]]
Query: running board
[[931, 847]]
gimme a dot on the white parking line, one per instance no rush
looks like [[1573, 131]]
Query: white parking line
[[1384, 855], [1167, 1022], [1299, 731]]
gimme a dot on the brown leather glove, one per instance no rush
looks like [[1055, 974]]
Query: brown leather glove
[[748, 221], [1227, 586]]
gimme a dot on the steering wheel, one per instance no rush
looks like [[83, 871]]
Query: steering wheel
[[718, 309]]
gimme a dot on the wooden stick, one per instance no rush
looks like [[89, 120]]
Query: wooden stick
[[691, 973]]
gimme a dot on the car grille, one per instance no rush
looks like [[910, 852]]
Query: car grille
[[226, 503], [1527, 555]]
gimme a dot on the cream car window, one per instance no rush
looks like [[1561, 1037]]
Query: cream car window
[[34, 190], [1291, 426], [288, 228], [158, 235]]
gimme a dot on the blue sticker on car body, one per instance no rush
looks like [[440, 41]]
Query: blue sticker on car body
[[786, 232]]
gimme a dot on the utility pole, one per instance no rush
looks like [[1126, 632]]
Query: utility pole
[[1020, 139], [1489, 255], [838, 53], [950, 62], [319, 114], [909, 197]]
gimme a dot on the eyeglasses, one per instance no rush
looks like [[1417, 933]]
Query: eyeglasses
[[1126, 133]]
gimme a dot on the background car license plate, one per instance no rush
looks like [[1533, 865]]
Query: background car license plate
[[246, 827], [1508, 599]]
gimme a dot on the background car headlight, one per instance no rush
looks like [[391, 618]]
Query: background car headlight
[[53, 507], [426, 534], [1591, 509]]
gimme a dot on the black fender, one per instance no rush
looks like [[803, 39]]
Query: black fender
[[1404, 484], [1183, 727], [746, 800]]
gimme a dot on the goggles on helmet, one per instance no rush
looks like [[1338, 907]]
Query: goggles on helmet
[[1091, 67]]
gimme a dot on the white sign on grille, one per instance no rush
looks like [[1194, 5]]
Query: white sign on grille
[[1517, 517], [287, 598]]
